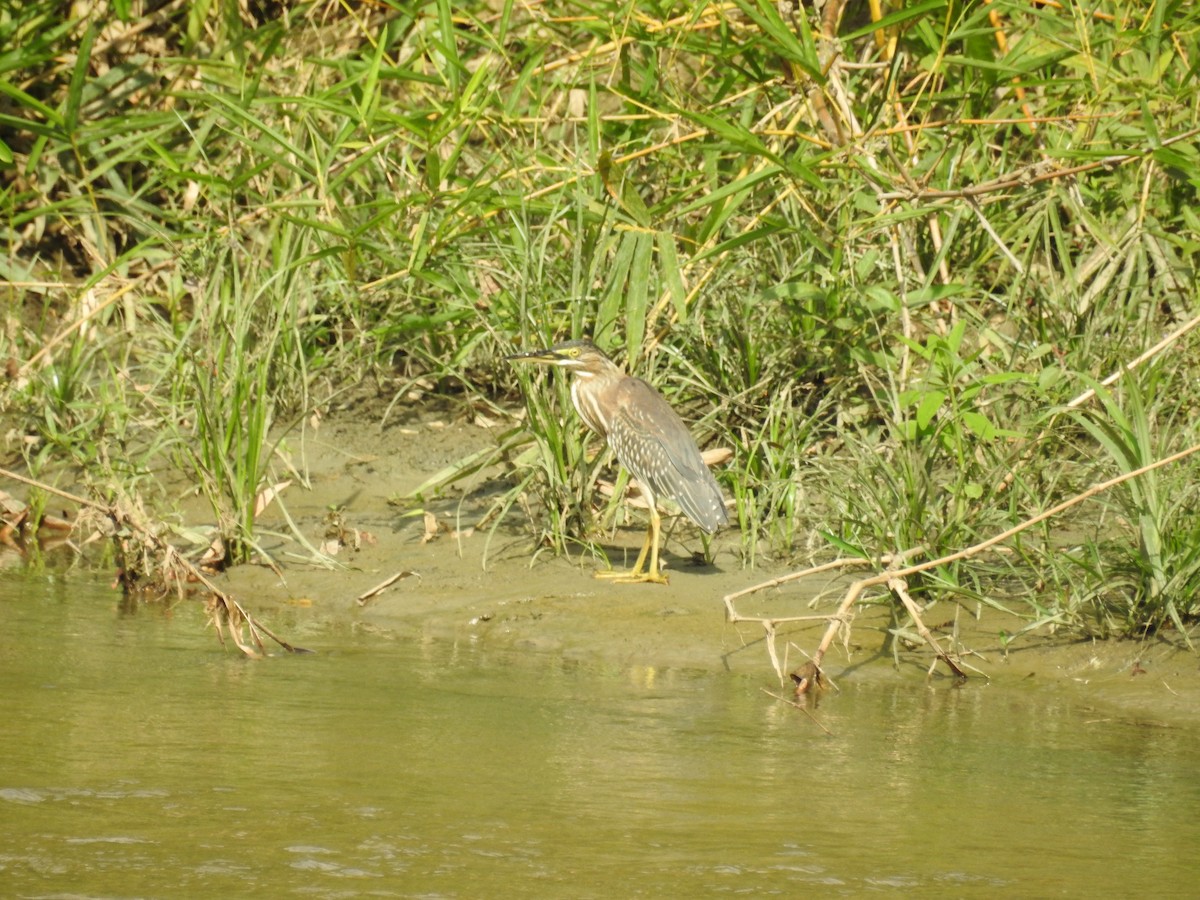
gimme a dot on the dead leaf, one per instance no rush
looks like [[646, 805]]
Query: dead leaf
[[214, 556], [431, 528], [633, 493], [10, 505], [266, 495], [54, 523]]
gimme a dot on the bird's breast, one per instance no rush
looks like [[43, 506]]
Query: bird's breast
[[587, 403]]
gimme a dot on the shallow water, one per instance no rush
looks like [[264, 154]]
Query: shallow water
[[139, 760]]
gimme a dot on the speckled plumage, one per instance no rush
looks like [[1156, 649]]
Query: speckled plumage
[[651, 441]]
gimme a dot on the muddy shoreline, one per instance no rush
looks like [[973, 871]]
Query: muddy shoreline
[[553, 607]]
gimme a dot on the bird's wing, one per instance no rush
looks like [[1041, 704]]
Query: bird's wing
[[652, 442]]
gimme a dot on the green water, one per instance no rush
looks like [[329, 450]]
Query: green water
[[139, 760]]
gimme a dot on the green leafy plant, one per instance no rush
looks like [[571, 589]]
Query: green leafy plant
[[1147, 572]]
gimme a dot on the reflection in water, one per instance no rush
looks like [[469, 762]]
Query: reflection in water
[[138, 759]]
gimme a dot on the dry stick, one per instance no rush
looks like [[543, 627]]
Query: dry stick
[[171, 554], [374, 592], [1091, 392], [1103, 17], [78, 324], [838, 619], [974, 206], [883, 578], [1028, 176], [888, 49], [733, 616], [1034, 174], [1138, 360], [841, 617], [710, 18], [801, 707], [899, 587]]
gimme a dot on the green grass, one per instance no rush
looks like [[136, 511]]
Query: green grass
[[878, 276]]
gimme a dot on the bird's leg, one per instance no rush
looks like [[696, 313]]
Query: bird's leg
[[654, 573], [649, 547]]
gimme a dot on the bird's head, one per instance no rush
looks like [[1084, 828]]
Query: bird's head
[[580, 357]]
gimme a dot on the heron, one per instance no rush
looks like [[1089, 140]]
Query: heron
[[648, 438]]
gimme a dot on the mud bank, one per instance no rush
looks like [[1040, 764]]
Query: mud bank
[[484, 588]]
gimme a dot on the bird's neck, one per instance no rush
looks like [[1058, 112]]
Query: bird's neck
[[588, 403]]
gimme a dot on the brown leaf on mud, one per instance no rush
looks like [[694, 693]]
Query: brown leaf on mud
[[11, 526], [10, 506], [431, 528], [55, 523], [340, 534], [633, 494], [266, 495], [434, 529], [214, 557]]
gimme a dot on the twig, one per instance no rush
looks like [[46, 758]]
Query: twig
[[732, 615], [1002, 47], [1087, 395], [974, 206], [804, 709], [1138, 360], [899, 587], [383, 585], [769, 624]]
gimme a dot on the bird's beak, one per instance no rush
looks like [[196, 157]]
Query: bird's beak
[[545, 357]]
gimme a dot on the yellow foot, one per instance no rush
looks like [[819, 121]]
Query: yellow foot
[[634, 577]]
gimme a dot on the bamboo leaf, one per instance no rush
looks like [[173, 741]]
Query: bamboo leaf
[[799, 50]]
